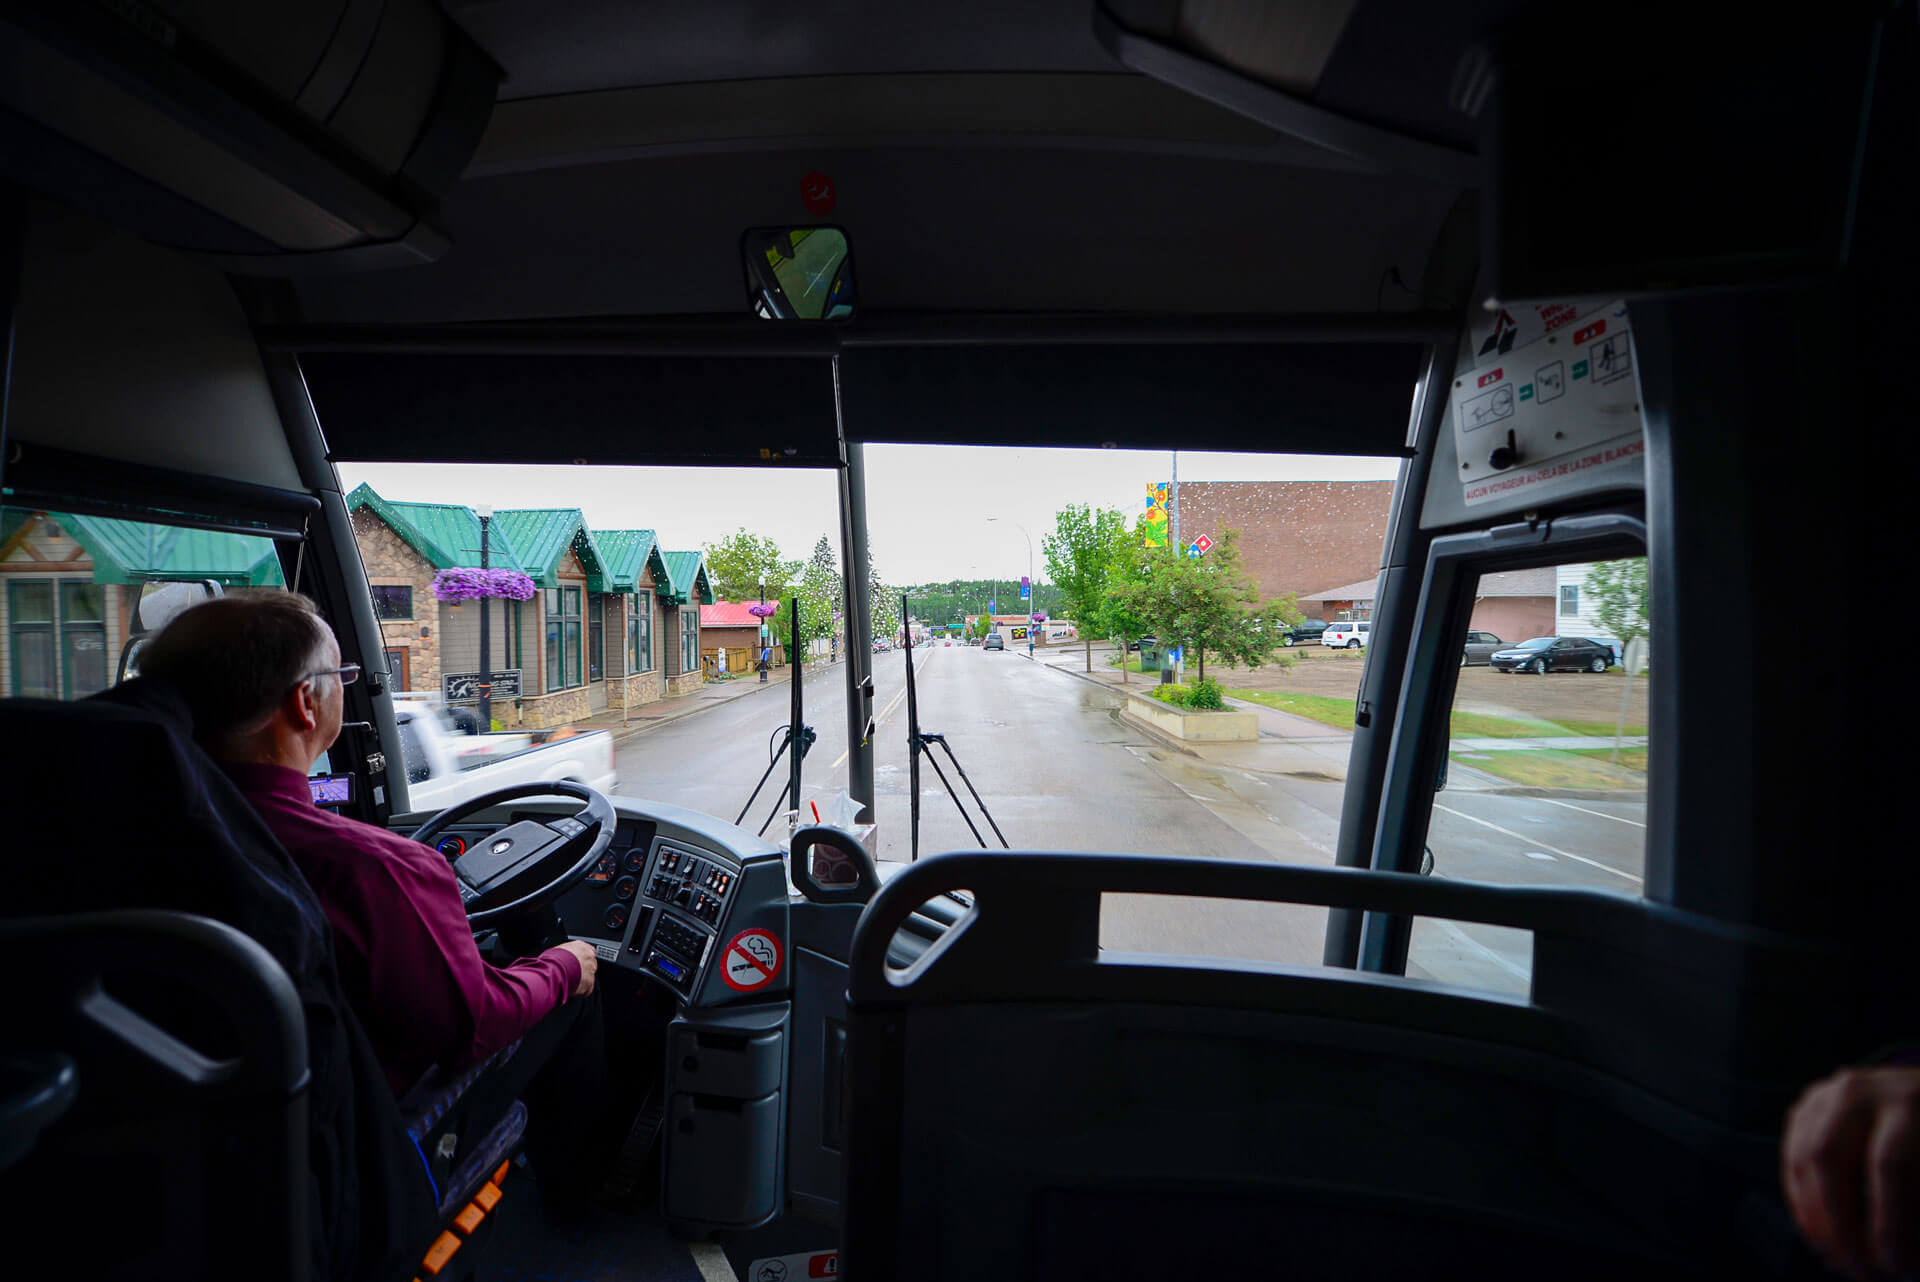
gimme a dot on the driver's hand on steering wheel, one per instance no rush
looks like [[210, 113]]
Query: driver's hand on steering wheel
[[589, 965]]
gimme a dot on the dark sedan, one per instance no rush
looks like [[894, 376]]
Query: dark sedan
[[1553, 654]]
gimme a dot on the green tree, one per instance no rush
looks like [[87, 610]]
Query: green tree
[[1206, 603], [883, 603], [738, 564], [1080, 557], [819, 593], [1618, 591]]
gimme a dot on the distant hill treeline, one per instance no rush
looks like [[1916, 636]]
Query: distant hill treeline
[[949, 603]]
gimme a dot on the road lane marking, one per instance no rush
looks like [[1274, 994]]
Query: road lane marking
[[1583, 810], [1532, 841], [877, 723]]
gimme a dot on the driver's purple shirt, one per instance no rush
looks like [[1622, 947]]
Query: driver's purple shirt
[[406, 955]]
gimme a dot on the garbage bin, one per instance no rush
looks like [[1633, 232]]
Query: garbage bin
[[1149, 655]]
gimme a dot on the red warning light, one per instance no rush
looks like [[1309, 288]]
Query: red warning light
[[816, 193]]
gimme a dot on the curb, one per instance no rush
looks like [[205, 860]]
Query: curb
[[622, 734]]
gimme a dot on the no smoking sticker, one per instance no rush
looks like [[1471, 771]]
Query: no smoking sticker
[[751, 961]]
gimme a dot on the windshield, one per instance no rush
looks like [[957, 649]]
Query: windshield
[[1105, 658], [1535, 643]]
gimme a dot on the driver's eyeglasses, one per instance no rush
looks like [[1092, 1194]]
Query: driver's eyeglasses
[[347, 672]]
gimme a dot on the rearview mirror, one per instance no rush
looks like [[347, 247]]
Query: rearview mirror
[[798, 273]]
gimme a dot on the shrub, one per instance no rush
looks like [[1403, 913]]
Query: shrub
[[1205, 694], [1172, 693]]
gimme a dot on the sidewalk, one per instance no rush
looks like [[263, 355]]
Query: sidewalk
[[711, 694]]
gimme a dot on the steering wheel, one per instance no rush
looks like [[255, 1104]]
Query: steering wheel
[[527, 864]]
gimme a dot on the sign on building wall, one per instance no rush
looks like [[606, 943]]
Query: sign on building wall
[[464, 687]]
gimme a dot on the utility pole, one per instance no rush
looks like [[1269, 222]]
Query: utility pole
[[485, 513], [1179, 549]]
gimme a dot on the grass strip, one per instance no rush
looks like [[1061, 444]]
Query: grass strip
[[1552, 768]]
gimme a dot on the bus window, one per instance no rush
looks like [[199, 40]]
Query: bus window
[[1546, 758], [79, 592]]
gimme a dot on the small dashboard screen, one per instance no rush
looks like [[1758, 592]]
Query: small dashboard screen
[[331, 790]]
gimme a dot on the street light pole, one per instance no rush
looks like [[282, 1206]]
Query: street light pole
[[1033, 589], [766, 647], [485, 513]]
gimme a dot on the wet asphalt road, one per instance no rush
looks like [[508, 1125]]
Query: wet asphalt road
[[1060, 770]]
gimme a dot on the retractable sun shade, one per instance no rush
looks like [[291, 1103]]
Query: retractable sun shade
[[1342, 397]]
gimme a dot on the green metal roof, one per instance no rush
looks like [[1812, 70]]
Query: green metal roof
[[626, 554], [687, 575], [543, 535], [446, 534], [128, 552]]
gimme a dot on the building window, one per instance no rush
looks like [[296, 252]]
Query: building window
[[392, 602], [640, 632], [57, 655], [1569, 600], [83, 639], [563, 638], [596, 636], [30, 620], [690, 639]]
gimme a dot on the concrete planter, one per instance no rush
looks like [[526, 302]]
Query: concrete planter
[[1189, 724]]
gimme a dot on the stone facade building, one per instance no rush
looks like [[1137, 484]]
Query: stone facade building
[[604, 629]]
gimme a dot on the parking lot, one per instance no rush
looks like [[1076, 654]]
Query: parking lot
[[1558, 696]]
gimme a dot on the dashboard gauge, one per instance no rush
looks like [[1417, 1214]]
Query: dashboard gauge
[[616, 917], [635, 861], [604, 869], [451, 846], [624, 889]]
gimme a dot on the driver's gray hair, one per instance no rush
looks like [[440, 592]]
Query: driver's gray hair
[[236, 657]]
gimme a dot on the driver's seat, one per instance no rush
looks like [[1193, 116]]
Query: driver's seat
[[112, 806]]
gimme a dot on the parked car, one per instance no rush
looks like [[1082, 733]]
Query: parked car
[[1305, 632], [1480, 647], [994, 641], [446, 766], [1349, 634], [1553, 654]]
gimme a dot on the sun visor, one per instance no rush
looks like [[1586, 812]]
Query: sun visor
[[1307, 398], [297, 136], [490, 408]]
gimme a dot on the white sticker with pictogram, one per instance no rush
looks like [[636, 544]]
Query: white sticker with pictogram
[[1546, 403], [806, 1267], [751, 961]]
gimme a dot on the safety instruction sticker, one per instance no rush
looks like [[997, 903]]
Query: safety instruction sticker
[[795, 1268], [751, 961], [1546, 402]]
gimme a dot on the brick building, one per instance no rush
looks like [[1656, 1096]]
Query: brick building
[[1295, 536], [1511, 604]]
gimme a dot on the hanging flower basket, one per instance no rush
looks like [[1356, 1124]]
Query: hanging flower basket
[[763, 609], [471, 585]]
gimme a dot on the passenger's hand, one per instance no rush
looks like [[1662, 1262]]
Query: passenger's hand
[[589, 965], [1850, 1165]]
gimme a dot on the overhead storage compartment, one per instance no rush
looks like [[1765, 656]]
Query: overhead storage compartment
[[313, 134]]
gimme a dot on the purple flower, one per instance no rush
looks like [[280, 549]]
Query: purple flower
[[471, 585], [763, 609]]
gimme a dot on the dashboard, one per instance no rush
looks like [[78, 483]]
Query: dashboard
[[667, 896]]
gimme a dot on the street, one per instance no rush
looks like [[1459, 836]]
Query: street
[[1059, 769]]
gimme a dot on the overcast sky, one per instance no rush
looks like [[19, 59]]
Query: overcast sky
[[927, 506]]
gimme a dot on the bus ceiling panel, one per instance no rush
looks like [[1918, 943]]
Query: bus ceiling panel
[[47, 478], [124, 351], [568, 409], [1308, 398], [303, 136], [976, 226]]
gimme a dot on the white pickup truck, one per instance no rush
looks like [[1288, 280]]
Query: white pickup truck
[[445, 766]]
